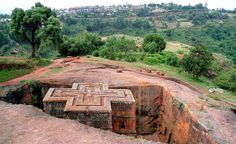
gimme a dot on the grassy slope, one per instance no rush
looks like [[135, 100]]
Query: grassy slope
[[203, 83], [27, 65]]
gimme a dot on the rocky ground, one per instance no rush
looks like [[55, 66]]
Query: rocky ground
[[22, 124]]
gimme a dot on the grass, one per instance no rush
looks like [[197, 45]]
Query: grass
[[176, 46], [19, 66], [52, 72], [9, 74], [41, 62], [202, 83]]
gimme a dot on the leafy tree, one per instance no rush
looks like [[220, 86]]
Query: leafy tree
[[115, 46], [84, 43], [51, 32], [153, 43], [120, 44], [124, 45], [34, 25], [198, 61]]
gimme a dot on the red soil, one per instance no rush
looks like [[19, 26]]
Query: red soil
[[214, 115]]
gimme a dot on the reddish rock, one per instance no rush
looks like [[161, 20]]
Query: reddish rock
[[26, 99], [119, 70]]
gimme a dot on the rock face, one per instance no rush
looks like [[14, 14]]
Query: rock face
[[21, 124], [94, 105], [148, 103], [177, 112]]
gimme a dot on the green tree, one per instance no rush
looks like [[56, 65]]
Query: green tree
[[153, 43], [84, 43], [34, 25], [198, 61]]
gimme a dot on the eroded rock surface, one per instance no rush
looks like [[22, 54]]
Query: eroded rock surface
[[21, 124], [185, 111]]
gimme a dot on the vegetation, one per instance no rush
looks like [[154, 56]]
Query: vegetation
[[198, 61], [80, 34], [35, 26], [153, 43], [8, 74], [118, 48], [107, 26], [12, 67], [84, 43]]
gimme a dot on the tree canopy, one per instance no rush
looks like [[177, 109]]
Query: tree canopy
[[153, 43], [35, 25], [198, 61], [84, 43]]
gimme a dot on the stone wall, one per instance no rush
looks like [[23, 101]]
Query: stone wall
[[94, 105], [178, 125], [95, 119], [123, 118], [148, 99]]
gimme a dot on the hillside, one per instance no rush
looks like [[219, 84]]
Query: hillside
[[188, 24]]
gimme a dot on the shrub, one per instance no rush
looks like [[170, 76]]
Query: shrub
[[130, 58], [172, 61], [41, 62], [84, 43], [121, 44], [150, 60], [226, 81], [140, 56], [198, 61], [150, 47], [106, 52], [95, 53], [154, 59], [180, 52], [153, 43]]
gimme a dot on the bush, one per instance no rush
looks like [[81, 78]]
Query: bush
[[153, 43], [95, 53], [150, 60], [41, 62], [154, 59], [84, 43], [226, 81], [121, 44], [180, 52], [150, 47], [198, 61], [140, 56], [106, 52], [172, 61], [130, 58]]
